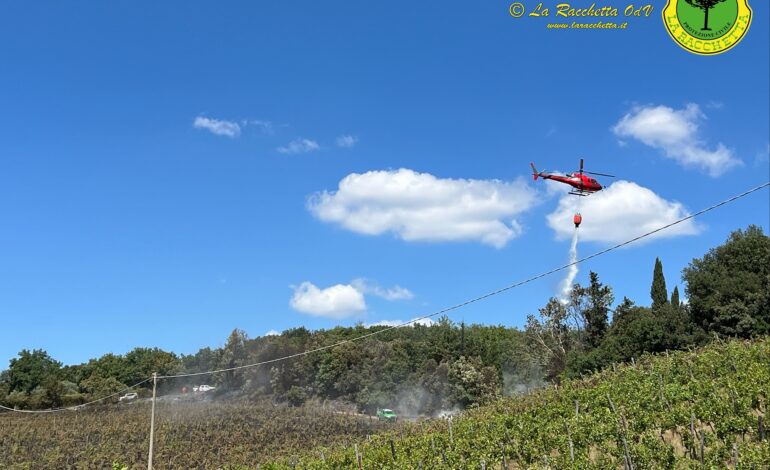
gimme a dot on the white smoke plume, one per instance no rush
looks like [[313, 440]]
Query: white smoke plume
[[566, 284]]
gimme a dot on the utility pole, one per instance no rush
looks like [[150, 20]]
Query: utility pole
[[462, 338], [152, 419]]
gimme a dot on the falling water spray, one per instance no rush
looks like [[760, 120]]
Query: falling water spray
[[566, 284]]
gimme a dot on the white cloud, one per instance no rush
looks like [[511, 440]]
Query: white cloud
[[347, 141], [366, 286], [218, 127], [422, 321], [421, 207], [555, 188], [338, 301], [265, 126], [299, 146], [618, 213], [272, 333], [675, 132], [762, 157]]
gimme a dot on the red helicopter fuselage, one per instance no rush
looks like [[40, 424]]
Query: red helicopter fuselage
[[582, 184], [576, 180], [580, 180]]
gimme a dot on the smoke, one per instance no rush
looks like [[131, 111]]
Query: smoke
[[449, 413], [413, 401], [521, 383], [566, 284]]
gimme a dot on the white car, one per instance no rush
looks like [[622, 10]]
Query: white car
[[129, 396], [203, 388]]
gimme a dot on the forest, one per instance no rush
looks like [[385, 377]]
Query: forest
[[426, 369]]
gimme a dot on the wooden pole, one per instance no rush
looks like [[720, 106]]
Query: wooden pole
[[629, 464], [735, 455], [693, 451], [152, 420], [702, 445], [571, 445]]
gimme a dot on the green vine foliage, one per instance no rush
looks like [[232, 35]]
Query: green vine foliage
[[682, 410]]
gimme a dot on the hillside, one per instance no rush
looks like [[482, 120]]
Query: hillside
[[671, 410], [678, 410]]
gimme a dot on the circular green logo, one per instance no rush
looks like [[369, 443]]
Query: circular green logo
[[707, 27]]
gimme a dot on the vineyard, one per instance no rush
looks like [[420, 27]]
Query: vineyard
[[699, 409], [187, 435], [702, 409]]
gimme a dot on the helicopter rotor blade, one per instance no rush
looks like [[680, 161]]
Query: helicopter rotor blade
[[600, 174], [581, 165]]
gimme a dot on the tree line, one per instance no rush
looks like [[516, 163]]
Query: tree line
[[428, 368], [728, 295]]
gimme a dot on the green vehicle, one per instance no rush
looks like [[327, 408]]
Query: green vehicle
[[386, 415]]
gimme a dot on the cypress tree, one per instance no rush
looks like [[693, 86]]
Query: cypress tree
[[675, 297], [599, 299], [658, 290]]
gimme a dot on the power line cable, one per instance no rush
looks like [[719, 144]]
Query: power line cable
[[477, 299]]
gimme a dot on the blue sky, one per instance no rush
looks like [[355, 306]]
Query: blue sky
[[170, 171]]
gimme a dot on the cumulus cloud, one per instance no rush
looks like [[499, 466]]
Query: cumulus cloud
[[555, 188], [338, 301], [421, 207], [347, 141], [272, 333], [620, 212], [422, 321], [299, 146], [366, 286], [342, 300], [675, 133], [218, 126]]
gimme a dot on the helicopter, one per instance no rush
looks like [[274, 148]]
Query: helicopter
[[582, 184]]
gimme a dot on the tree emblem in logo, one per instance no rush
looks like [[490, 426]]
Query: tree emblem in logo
[[707, 27], [704, 5]]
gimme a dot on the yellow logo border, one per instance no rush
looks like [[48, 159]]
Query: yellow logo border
[[678, 35]]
